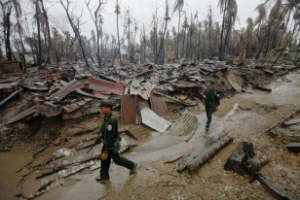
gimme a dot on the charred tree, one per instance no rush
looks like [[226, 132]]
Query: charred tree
[[39, 53], [48, 43], [117, 11], [98, 22], [75, 24]]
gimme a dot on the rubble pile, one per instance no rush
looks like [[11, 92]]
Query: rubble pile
[[72, 91], [158, 96]]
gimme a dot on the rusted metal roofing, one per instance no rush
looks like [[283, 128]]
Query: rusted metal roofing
[[106, 86], [130, 109], [158, 105], [96, 95], [91, 107], [65, 90], [185, 126]]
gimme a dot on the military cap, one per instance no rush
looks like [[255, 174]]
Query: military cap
[[107, 104]]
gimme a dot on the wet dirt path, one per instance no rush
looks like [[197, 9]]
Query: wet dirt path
[[245, 117]]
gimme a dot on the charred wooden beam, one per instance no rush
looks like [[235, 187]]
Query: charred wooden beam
[[236, 161], [210, 152], [189, 158], [198, 152]]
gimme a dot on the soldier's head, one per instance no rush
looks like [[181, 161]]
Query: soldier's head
[[106, 107]]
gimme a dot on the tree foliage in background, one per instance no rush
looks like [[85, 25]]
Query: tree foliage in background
[[268, 35]]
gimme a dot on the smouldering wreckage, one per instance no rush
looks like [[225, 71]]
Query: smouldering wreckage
[[153, 95]]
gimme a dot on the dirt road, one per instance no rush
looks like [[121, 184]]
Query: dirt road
[[245, 117]]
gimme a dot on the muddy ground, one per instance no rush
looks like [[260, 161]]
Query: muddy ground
[[245, 117]]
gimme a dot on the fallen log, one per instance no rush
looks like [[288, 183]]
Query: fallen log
[[189, 158], [236, 161], [277, 193], [209, 153]]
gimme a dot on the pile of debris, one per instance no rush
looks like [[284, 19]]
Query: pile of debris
[[150, 94]]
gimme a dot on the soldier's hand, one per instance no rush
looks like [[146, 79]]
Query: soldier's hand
[[104, 156]]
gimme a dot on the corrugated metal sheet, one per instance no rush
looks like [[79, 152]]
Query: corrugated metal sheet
[[96, 95], [130, 110], [152, 120], [185, 126], [65, 90], [158, 105], [91, 107], [106, 86]]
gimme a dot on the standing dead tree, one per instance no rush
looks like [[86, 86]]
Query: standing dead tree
[[98, 21], [161, 50], [143, 44], [154, 37], [75, 24], [47, 33], [6, 7], [229, 10], [117, 11], [178, 8], [38, 22]]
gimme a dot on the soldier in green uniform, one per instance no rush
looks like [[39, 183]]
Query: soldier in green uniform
[[212, 98], [111, 143]]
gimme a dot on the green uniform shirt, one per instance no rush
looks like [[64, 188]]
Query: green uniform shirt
[[213, 97], [110, 134]]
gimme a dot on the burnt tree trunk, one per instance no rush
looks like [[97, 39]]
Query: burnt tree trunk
[[75, 30], [7, 38], [48, 46], [39, 53]]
